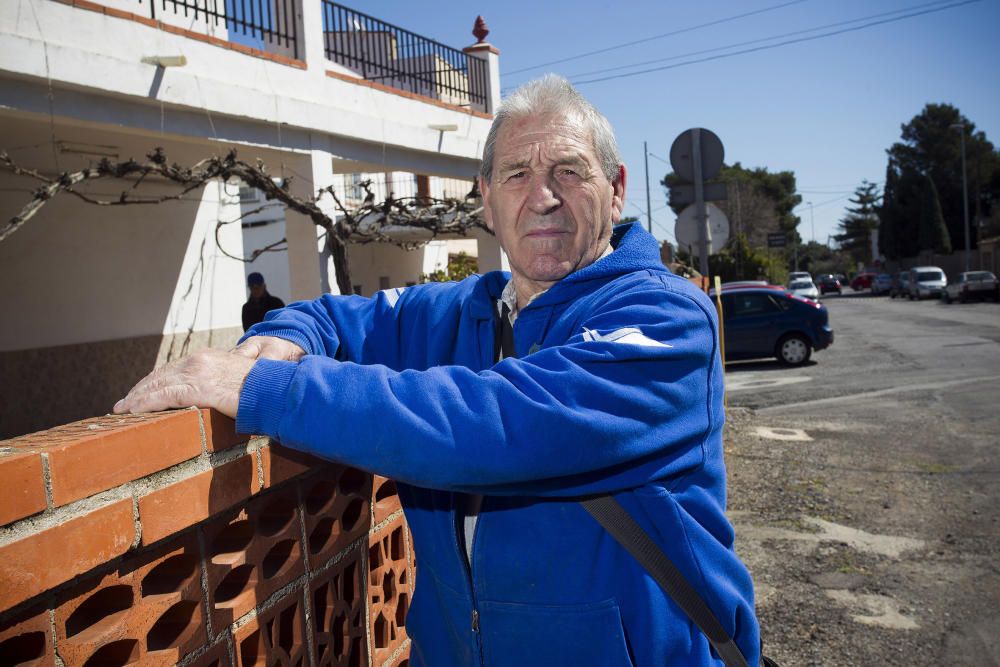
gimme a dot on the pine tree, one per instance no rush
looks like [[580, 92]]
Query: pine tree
[[934, 234], [861, 219]]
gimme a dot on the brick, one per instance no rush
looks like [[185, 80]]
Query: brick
[[251, 553], [150, 610], [27, 640], [36, 563], [281, 464], [276, 637], [23, 485], [336, 504], [390, 588], [338, 607], [94, 455], [384, 499], [192, 500], [220, 431]]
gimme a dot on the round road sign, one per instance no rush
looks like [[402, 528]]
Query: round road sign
[[682, 154], [686, 230]]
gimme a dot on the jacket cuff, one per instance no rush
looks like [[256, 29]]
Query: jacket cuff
[[262, 399], [291, 335]]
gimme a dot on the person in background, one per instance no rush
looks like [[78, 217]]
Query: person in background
[[260, 301], [500, 401]]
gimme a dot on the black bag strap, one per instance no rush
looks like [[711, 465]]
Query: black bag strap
[[620, 524]]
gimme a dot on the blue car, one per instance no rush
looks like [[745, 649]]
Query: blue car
[[768, 322]]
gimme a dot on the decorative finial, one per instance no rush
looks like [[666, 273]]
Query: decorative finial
[[479, 31]]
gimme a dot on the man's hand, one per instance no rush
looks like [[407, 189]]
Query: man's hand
[[269, 347], [208, 379]]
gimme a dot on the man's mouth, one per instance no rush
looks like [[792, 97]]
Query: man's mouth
[[547, 232]]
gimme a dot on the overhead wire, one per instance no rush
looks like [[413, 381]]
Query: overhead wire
[[777, 45], [765, 39], [660, 36]]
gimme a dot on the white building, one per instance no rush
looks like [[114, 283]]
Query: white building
[[96, 296]]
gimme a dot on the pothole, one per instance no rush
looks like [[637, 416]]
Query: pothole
[[879, 610], [787, 434]]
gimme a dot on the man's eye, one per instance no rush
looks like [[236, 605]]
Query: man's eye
[[516, 175], [567, 172]]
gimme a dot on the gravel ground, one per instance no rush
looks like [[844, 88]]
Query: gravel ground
[[872, 539]]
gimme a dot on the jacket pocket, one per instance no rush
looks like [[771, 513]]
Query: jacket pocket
[[523, 635]]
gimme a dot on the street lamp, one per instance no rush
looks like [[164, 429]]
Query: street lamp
[[965, 193], [812, 221]]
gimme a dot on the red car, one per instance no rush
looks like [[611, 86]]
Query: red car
[[862, 281]]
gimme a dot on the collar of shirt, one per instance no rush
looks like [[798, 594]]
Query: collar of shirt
[[509, 295]]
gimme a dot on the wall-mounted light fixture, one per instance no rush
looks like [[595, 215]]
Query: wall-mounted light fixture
[[165, 61], [448, 127]]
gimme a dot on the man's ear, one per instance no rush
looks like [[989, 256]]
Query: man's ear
[[618, 196], [484, 190]]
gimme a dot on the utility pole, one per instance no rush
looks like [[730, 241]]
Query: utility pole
[[649, 208], [812, 220]]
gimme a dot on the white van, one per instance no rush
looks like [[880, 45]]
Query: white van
[[927, 281]]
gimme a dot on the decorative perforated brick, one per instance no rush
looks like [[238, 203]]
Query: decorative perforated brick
[[251, 553], [338, 614], [336, 509], [384, 499], [276, 637], [390, 588], [149, 611], [26, 641]]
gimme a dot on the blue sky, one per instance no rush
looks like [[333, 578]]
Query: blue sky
[[826, 109]]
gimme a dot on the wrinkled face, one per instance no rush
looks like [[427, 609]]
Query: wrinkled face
[[548, 201]]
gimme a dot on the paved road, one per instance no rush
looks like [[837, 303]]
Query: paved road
[[865, 487]]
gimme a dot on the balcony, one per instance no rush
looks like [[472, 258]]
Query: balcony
[[355, 45]]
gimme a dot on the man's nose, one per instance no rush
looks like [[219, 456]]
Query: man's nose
[[543, 197]]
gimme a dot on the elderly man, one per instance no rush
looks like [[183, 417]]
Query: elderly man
[[498, 402]]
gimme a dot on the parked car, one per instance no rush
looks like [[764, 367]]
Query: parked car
[[862, 281], [882, 284], [804, 287], [762, 322], [828, 283], [900, 285], [926, 282], [973, 285]]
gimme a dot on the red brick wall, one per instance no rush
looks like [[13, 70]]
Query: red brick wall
[[167, 538]]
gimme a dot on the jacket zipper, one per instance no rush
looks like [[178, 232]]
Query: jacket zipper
[[474, 620]]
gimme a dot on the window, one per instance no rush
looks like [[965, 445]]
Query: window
[[752, 304]]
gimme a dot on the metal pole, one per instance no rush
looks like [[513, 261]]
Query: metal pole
[[965, 204], [812, 220], [699, 201], [649, 208]]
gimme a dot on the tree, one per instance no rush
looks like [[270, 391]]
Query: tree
[[758, 202], [861, 220], [371, 222], [931, 146], [933, 231]]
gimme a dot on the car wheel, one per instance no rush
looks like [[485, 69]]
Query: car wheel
[[793, 350]]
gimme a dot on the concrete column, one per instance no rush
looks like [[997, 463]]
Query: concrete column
[[310, 273], [311, 35], [491, 256], [483, 50]]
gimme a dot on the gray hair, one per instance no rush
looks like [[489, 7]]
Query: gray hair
[[552, 94]]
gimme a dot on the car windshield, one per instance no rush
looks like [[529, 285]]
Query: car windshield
[[925, 276], [979, 275], [801, 284]]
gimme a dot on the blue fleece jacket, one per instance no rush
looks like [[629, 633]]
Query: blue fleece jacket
[[617, 388]]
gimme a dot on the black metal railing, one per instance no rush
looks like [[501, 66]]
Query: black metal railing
[[268, 25], [384, 53]]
